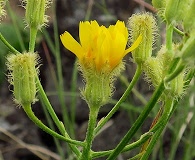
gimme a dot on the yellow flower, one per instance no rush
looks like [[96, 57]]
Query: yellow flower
[[100, 53], [99, 46]]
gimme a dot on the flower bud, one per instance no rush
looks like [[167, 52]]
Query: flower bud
[[145, 25], [176, 88], [156, 68], [153, 71], [22, 75], [165, 58], [99, 86], [35, 12]]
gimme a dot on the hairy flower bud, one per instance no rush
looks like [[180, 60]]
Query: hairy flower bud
[[142, 24], [22, 75], [35, 12], [176, 87], [153, 71], [156, 69]]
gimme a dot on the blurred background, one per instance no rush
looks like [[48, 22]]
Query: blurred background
[[20, 139]]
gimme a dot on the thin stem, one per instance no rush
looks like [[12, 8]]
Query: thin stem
[[135, 92], [156, 95], [27, 108], [179, 31], [152, 143], [175, 73], [174, 65], [86, 155], [12, 49], [129, 147], [166, 114], [158, 128], [49, 107], [169, 37], [121, 100], [156, 119], [33, 35], [51, 125], [58, 123]]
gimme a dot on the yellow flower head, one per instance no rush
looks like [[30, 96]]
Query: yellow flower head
[[100, 53], [99, 46]]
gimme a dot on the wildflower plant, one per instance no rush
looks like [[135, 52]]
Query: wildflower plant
[[100, 52]]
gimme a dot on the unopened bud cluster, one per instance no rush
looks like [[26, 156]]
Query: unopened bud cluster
[[22, 75], [143, 24], [156, 68]]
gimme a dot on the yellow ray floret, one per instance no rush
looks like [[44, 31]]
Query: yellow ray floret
[[99, 45]]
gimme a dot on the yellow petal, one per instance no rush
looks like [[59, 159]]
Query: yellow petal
[[135, 45], [118, 48], [94, 26], [104, 47], [71, 44], [84, 34], [120, 26]]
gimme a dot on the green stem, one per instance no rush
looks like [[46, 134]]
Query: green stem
[[135, 92], [49, 107], [27, 108], [175, 73], [33, 35], [179, 31], [86, 155], [166, 114], [129, 147], [156, 95], [158, 128], [53, 115], [51, 125], [173, 65], [121, 100], [169, 37], [12, 49]]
